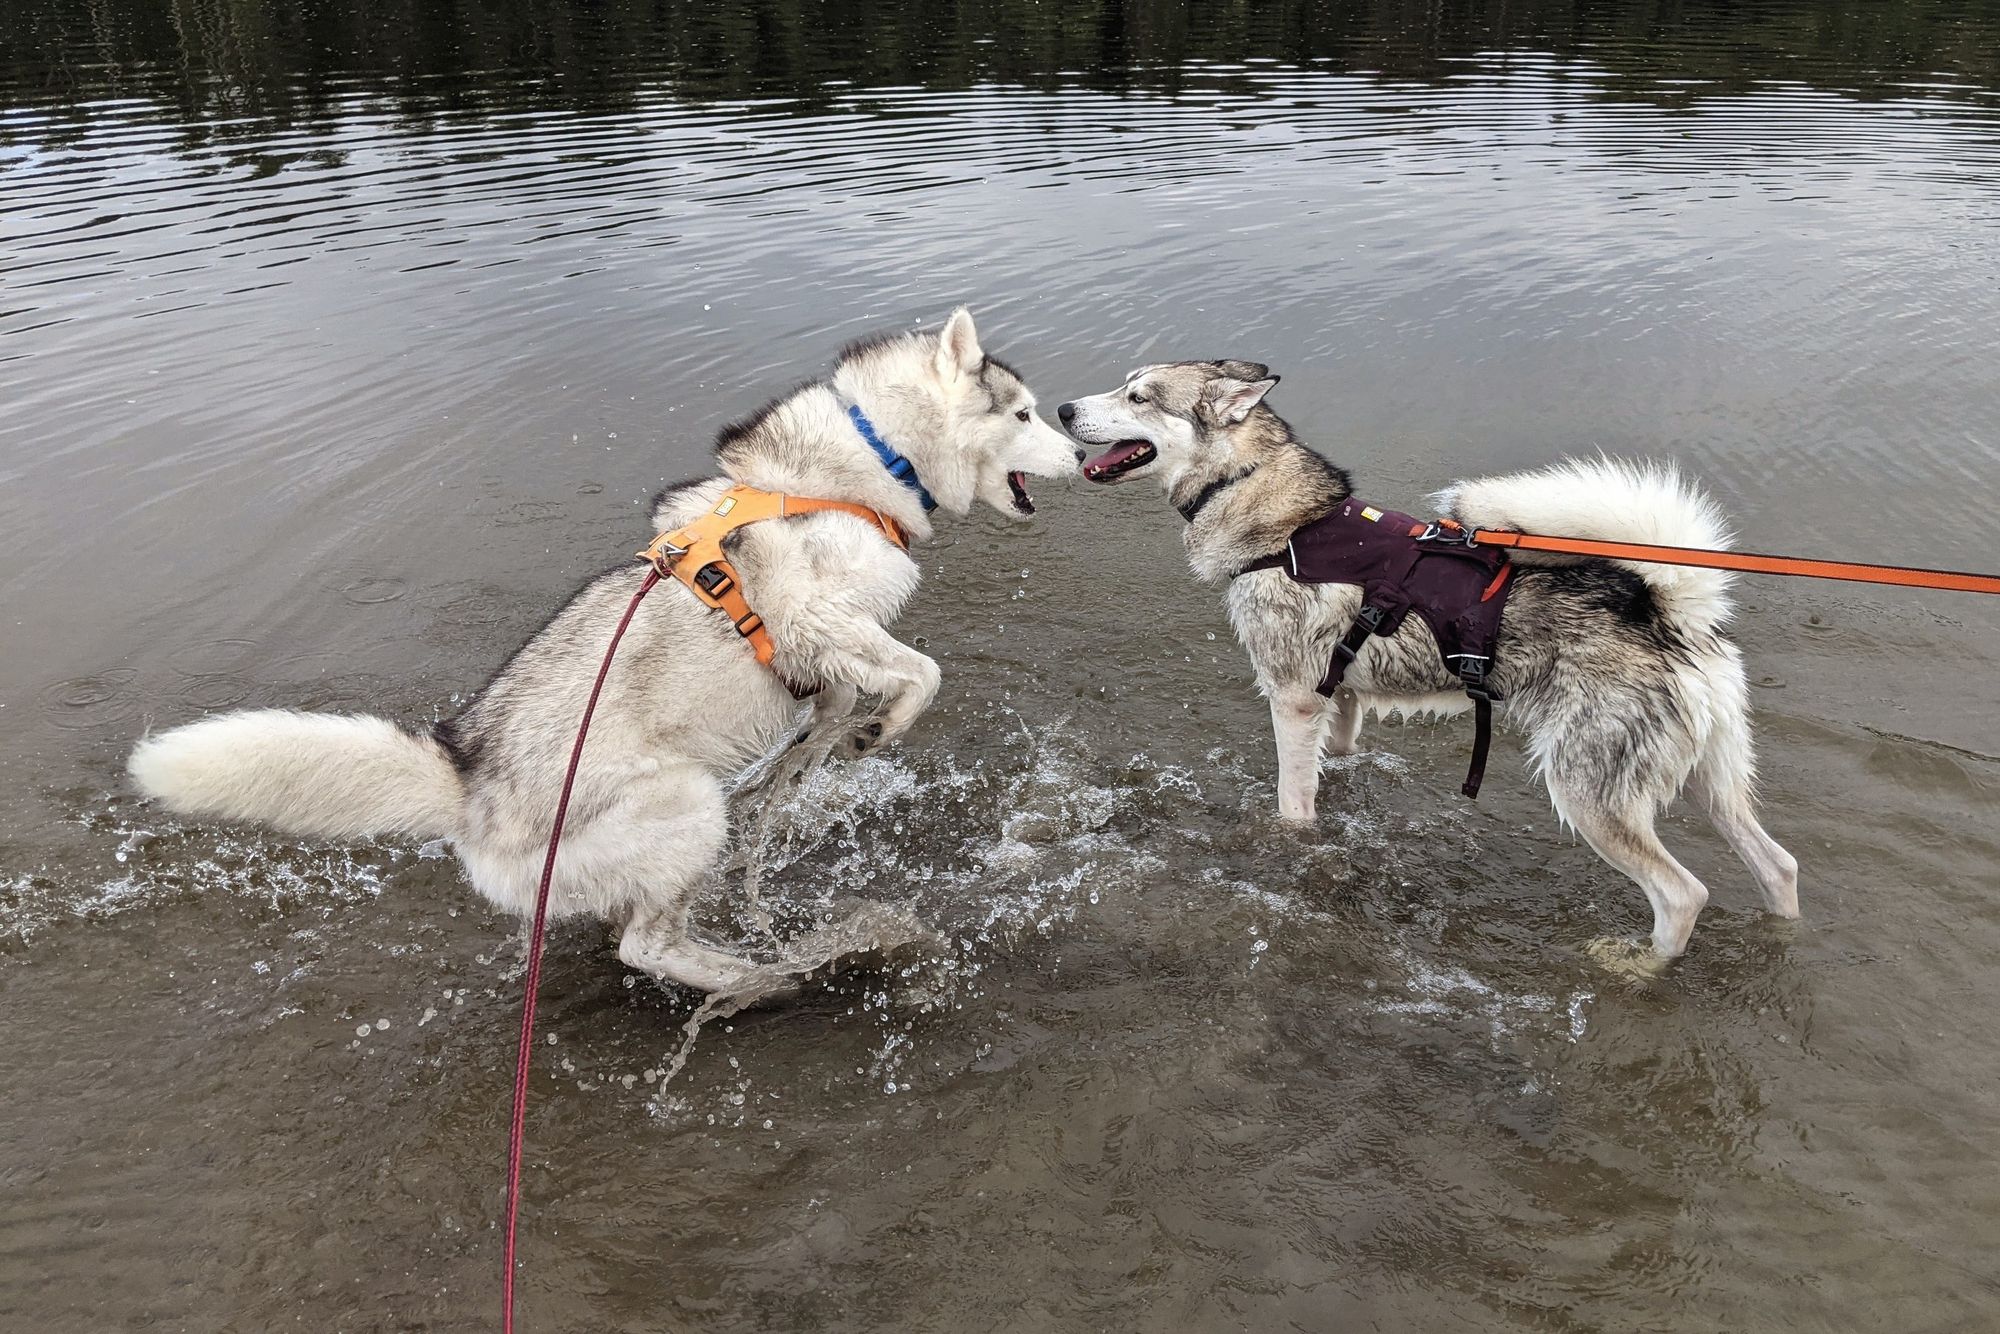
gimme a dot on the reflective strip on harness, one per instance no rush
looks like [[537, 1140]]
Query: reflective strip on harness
[[693, 555]]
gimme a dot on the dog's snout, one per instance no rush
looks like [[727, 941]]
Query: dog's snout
[[1082, 454], [1065, 412]]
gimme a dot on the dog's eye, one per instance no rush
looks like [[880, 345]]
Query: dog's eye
[[1022, 415], [1136, 398]]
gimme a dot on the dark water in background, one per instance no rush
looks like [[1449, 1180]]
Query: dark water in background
[[339, 341]]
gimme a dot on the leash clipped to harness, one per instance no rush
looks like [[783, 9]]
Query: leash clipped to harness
[[1392, 557]]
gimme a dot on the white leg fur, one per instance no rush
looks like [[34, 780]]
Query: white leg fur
[[1722, 785], [656, 942], [832, 707], [644, 856], [1299, 718], [1343, 733], [874, 660], [1776, 870], [1627, 841]]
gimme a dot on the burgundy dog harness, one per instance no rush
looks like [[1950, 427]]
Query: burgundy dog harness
[[1404, 565]]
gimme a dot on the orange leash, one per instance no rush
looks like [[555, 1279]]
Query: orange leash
[[1957, 581]]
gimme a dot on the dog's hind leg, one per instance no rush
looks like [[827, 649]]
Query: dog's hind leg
[[1299, 719], [1776, 870], [1723, 783], [1343, 733], [656, 844], [1622, 834]]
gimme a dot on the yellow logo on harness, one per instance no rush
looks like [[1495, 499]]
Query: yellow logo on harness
[[728, 504], [1370, 513]]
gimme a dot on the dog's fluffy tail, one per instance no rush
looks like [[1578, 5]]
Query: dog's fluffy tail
[[1611, 500], [318, 774]]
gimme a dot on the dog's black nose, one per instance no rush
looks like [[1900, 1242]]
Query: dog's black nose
[[1065, 412]]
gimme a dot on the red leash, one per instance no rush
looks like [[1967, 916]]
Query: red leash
[[518, 1135]]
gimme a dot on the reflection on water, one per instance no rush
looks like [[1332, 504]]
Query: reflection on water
[[339, 340], [290, 60]]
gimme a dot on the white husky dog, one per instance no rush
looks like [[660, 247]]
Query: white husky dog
[[686, 706], [1617, 671]]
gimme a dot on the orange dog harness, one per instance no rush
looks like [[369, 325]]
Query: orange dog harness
[[693, 555]]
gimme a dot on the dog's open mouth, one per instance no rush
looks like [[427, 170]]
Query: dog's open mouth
[[1120, 459], [1017, 482]]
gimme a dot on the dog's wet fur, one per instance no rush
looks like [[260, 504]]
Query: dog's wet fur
[[1618, 675], [686, 707]]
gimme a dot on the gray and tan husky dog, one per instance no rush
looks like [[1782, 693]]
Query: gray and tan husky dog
[[687, 706], [1618, 673]]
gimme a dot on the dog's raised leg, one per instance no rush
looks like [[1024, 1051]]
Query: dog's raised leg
[[832, 707], [868, 656], [1299, 718], [656, 942]]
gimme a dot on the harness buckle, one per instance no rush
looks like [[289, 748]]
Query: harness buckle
[[713, 579], [1472, 675], [1367, 622]]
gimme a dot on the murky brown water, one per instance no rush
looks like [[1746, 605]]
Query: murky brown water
[[338, 341]]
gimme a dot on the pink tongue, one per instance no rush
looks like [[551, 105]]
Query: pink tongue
[[1114, 456]]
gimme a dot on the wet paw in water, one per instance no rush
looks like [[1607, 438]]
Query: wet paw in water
[[1629, 957], [870, 932]]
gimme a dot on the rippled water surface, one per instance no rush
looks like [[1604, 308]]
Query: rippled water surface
[[340, 340]]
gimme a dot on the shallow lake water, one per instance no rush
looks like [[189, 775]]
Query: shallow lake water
[[340, 340]]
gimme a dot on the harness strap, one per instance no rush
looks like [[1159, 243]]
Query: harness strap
[[1472, 675], [693, 556], [1277, 560], [1482, 742], [1367, 621]]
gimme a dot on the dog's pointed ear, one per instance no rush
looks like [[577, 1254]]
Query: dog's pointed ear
[[1231, 400], [958, 351]]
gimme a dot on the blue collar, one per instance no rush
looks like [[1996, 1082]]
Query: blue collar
[[899, 467]]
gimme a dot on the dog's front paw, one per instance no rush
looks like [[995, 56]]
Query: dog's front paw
[[864, 738]]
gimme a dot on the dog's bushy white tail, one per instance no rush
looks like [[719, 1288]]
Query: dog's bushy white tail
[[1612, 500], [319, 774]]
